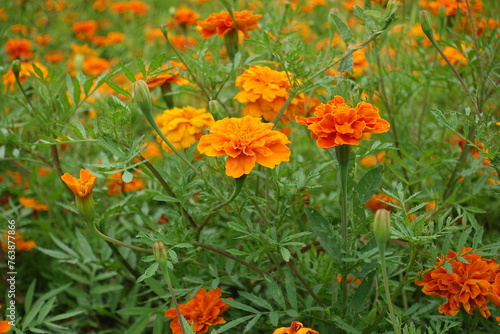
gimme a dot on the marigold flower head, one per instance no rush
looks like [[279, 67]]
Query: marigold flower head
[[33, 203], [373, 160], [19, 48], [43, 39], [116, 185], [469, 285], [295, 328], [183, 126], [134, 7], [337, 124], [182, 42], [27, 71], [246, 141], [265, 92], [95, 66], [20, 243], [85, 30], [185, 16], [201, 312], [456, 57], [452, 7], [81, 187], [167, 73], [374, 203], [222, 23]]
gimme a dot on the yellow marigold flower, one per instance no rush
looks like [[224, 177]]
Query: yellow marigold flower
[[295, 328], [469, 285], [81, 187], [201, 312], [222, 23], [335, 123], [246, 141], [27, 71], [183, 126], [265, 92], [33, 203]]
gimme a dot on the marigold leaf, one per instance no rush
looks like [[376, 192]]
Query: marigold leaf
[[291, 289], [240, 306], [345, 31], [368, 184], [234, 323], [252, 323], [149, 272], [140, 65], [117, 88], [256, 300], [156, 63]]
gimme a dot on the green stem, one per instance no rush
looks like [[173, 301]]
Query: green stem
[[342, 152], [101, 235], [164, 269], [397, 329]]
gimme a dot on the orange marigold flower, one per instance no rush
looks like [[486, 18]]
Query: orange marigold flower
[[33, 203], [4, 326], [85, 30], [221, 23], [81, 187], [452, 6], [3, 15], [27, 71], [373, 160], [19, 48], [456, 57], [182, 42], [20, 244], [167, 73], [185, 16], [43, 39], [374, 203], [295, 328], [470, 284], [183, 126], [201, 312], [337, 124], [95, 66], [138, 7], [265, 92], [246, 141], [115, 184]]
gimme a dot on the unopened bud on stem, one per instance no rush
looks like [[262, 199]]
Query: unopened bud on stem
[[142, 97], [382, 226], [16, 67], [160, 253], [426, 24]]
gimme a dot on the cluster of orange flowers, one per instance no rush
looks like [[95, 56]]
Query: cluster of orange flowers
[[20, 243], [471, 283], [337, 124], [295, 328], [452, 7]]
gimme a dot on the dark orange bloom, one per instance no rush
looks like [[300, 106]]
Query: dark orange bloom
[[373, 160], [115, 184], [33, 203], [27, 71], [182, 42], [4, 324], [295, 328], [135, 7], [469, 285], [337, 124], [95, 66], [85, 30], [452, 7], [185, 16], [54, 57], [81, 187], [374, 204], [201, 312], [221, 23], [20, 244], [19, 48], [246, 141]]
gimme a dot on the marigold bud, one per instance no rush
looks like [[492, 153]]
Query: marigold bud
[[159, 252], [78, 61], [142, 96], [382, 226], [86, 207], [426, 24], [16, 67], [215, 109]]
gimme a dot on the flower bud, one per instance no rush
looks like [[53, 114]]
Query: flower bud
[[16, 67], [78, 61], [382, 226], [160, 253], [215, 109], [86, 207], [142, 96], [426, 24]]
